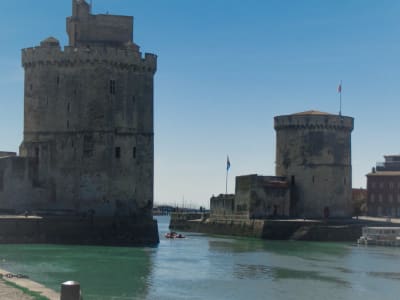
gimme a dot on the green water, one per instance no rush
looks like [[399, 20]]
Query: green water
[[209, 267]]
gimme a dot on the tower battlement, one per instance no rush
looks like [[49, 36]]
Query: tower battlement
[[125, 58], [314, 120]]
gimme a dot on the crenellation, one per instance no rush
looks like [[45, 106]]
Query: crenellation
[[129, 59], [317, 122]]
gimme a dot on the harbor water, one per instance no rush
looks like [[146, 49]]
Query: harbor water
[[214, 267]]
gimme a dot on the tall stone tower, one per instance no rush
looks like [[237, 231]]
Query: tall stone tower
[[313, 151], [88, 118]]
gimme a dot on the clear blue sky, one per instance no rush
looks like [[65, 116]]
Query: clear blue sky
[[226, 68]]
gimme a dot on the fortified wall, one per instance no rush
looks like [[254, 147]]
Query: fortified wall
[[256, 197], [313, 173], [313, 151], [88, 143]]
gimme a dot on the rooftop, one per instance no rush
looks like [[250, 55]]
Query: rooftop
[[384, 173], [312, 113]]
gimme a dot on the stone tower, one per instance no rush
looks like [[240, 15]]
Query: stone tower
[[88, 118], [313, 151]]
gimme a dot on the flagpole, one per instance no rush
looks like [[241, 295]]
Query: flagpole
[[340, 108], [226, 182], [228, 166]]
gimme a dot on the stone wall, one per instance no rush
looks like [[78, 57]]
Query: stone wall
[[222, 205], [256, 197], [88, 118], [88, 123], [263, 196], [19, 189], [72, 230], [86, 29], [322, 231], [314, 152]]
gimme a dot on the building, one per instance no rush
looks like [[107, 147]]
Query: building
[[313, 172], [88, 124], [383, 185], [256, 197], [313, 151]]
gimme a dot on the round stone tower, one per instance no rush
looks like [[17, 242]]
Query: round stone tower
[[313, 151], [89, 117]]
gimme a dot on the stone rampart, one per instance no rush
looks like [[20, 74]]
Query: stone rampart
[[337, 230], [327, 122], [124, 58], [82, 231]]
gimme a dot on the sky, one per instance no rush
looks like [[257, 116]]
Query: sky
[[225, 69]]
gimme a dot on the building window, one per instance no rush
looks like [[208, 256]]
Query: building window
[[391, 185], [67, 123], [373, 185], [134, 152], [30, 87], [372, 198], [69, 107], [380, 198], [117, 152], [390, 198], [112, 87], [37, 152], [58, 80], [381, 185], [313, 179]]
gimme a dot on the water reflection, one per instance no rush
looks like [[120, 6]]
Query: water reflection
[[104, 272], [257, 272]]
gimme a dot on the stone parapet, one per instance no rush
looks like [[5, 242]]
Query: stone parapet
[[327, 122], [124, 58]]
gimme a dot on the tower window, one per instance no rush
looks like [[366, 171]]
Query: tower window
[[112, 87], [134, 152], [117, 152]]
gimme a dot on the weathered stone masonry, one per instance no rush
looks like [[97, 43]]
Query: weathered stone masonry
[[313, 173], [88, 123]]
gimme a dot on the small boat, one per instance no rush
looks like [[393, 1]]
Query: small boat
[[380, 236], [174, 235]]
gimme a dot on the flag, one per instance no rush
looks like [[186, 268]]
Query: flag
[[228, 163], [339, 88]]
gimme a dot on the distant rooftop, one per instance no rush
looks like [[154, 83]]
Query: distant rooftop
[[384, 173], [312, 113]]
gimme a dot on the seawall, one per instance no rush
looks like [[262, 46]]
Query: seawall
[[335, 230], [78, 231]]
